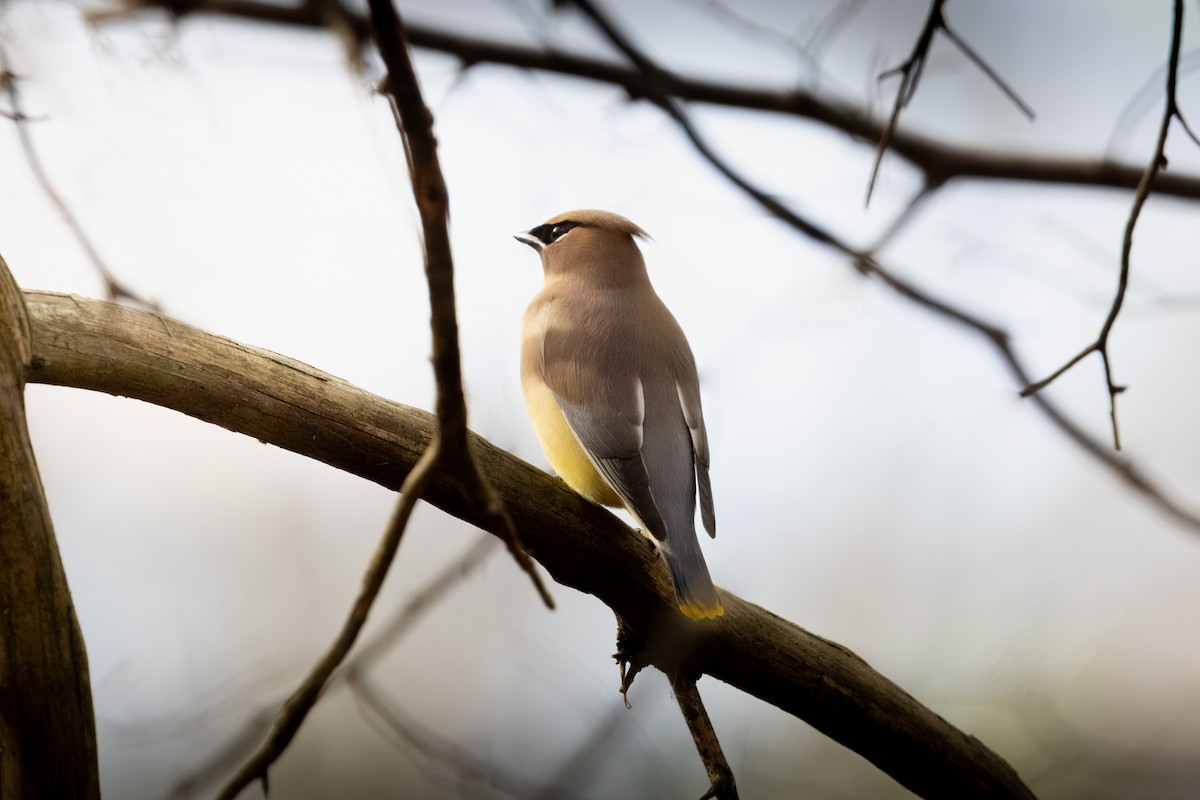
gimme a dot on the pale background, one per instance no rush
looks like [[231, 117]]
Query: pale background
[[877, 479]]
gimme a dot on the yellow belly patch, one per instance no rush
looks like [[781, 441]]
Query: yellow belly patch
[[563, 449]]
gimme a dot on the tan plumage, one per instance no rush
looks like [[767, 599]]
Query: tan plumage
[[612, 391]]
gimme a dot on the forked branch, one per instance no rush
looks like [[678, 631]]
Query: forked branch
[[1158, 162], [913, 68]]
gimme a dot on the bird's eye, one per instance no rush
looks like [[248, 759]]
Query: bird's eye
[[549, 234]]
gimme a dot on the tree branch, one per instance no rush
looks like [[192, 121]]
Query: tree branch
[[448, 451], [120, 350], [47, 725], [719, 773], [415, 123], [1158, 162], [939, 161]]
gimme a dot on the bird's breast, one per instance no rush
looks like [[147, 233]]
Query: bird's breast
[[562, 449]]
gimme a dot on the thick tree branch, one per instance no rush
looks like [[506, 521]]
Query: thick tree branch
[[1158, 162], [939, 161], [47, 727], [104, 347]]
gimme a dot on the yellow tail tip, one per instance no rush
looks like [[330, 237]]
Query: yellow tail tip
[[695, 611]]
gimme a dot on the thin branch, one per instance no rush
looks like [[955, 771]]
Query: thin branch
[[415, 123], [723, 786], [1158, 162], [911, 70], [987, 69], [114, 289], [448, 452], [939, 160], [910, 75], [867, 264], [296, 708]]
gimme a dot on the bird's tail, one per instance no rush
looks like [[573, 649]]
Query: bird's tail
[[694, 590]]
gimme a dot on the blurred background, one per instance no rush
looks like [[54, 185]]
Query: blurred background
[[877, 478]]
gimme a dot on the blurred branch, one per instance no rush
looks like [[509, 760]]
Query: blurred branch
[[866, 263], [910, 75], [105, 347], [376, 702], [422, 601], [1158, 162], [231, 753], [296, 708], [113, 288], [719, 773], [939, 161]]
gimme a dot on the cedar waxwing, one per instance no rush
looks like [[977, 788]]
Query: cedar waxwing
[[611, 387]]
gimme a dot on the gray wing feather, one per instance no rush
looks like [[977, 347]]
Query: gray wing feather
[[689, 400]]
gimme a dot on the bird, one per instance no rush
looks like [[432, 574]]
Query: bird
[[611, 387]]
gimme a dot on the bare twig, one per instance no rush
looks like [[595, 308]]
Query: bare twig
[[723, 786], [448, 452], [940, 161], [429, 190], [1158, 162], [868, 264], [910, 73], [114, 289], [987, 69]]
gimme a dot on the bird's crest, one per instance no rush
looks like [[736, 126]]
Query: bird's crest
[[605, 220]]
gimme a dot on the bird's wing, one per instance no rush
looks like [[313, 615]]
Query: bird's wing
[[603, 402], [688, 385]]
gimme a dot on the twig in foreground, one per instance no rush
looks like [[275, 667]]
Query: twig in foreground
[[415, 123]]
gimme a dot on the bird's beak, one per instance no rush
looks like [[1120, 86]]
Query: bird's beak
[[529, 239]]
